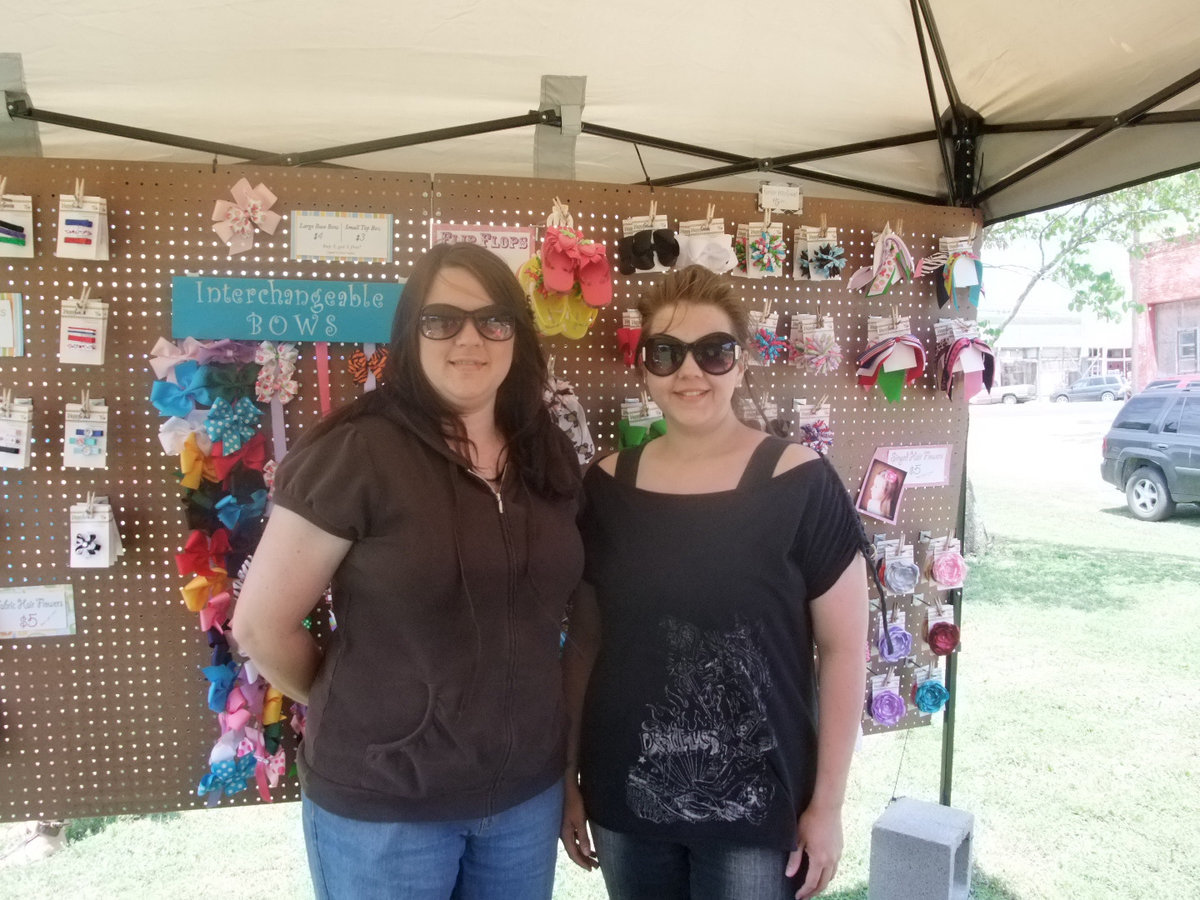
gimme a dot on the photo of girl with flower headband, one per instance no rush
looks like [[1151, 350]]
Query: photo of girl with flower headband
[[880, 494]]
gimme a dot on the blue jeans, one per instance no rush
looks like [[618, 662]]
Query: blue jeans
[[506, 856], [637, 868]]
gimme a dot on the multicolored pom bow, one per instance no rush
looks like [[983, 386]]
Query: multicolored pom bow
[[822, 352], [768, 252], [816, 436], [770, 347], [829, 260], [232, 425]]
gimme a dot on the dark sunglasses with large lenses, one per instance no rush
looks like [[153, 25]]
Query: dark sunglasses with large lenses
[[441, 321], [714, 353]]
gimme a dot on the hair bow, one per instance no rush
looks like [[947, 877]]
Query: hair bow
[[224, 350], [299, 718], [198, 591], [948, 288], [165, 356], [359, 364], [231, 382], [273, 766], [216, 613], [174, 432], [627, 343], [277, 357], [233, 512], [180, 397], [203, 554], [235, 717], [232, 425], [891, 262], [235, 222], [252, 454], [268, 471], [272, 709], [229, 776], [221, 682], [194, 465]]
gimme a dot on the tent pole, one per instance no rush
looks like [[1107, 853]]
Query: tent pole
[[1173, 117], [947, 168], [939, 53], [21, 109], [533, 117], [1120, 120]]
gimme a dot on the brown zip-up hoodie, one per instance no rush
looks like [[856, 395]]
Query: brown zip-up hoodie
[[439, 696]]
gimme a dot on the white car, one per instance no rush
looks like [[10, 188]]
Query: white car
[[1008, 394]]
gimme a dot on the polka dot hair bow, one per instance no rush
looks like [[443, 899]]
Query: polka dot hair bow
[[229, 776], [232, 425]]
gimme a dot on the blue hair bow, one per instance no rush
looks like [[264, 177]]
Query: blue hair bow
[[229, 776], [231, 513], [190, 388]]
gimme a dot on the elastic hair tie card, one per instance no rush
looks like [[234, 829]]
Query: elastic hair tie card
[[16, 225], [12, 325], [85, 434], [82, 226], [16, 428], [83, 331]]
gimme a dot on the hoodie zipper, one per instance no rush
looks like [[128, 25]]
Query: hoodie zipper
[[511, 674]]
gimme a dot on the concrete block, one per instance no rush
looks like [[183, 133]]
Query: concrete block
[[921, 851]]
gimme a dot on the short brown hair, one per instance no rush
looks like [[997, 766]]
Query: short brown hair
[[696, 284]]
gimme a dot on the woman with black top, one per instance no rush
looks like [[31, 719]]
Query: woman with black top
[[702, 754], [442, 507]]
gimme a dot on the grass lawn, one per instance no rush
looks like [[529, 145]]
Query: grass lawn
[[1076, 700]]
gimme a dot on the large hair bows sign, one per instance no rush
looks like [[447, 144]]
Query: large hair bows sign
[[235, 222]]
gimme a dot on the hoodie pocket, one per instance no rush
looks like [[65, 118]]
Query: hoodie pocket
[[427, 762]]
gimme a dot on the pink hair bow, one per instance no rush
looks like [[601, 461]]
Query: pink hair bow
[[216, 613], [165, 356], [235, 222]]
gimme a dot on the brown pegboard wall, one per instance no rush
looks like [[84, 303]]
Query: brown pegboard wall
[[113, 720]]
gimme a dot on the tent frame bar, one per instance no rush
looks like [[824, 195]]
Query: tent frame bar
[[943, 150], [1096, 127], [1120, 120]]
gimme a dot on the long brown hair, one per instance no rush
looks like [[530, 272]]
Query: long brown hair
[[534, 443]]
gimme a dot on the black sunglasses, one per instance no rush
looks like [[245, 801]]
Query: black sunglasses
[[714, 353], [441, 321]]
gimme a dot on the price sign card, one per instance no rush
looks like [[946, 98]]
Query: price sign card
[[334, 236], [44, 610], [925, 466]]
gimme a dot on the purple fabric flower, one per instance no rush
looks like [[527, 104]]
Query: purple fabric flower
[[887, 708], [901, 644]]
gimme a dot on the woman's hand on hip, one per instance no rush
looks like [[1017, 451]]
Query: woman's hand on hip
[[819, 837], [574, 834]]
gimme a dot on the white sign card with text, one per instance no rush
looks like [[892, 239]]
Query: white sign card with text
[[513, 244], [926, 466], [334, 236], [42, 610]]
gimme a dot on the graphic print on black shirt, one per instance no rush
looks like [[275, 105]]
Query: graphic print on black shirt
[[703, 748]]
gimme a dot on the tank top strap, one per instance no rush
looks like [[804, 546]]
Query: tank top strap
[[762, 462], [627, 465]]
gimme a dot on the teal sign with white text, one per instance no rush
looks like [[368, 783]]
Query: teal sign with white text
[[277, 309]]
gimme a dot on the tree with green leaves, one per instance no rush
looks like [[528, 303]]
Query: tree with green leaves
[[1062, 237]]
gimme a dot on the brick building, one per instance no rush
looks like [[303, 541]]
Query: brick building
[[1166, 281]]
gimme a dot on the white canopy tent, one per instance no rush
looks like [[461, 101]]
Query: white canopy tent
[[833, 96]]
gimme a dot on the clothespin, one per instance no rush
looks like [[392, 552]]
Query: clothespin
[[85, 403], [766, 307], [3, 182], [900, 227], [645, 402], [895, 316], [766, 223], [820, 403], [84, 294], [6, 401], [712, 210], [653, 212], [820, 316], [79, 183], [823, 224], [550, 369], [974, 229], [91, 503]]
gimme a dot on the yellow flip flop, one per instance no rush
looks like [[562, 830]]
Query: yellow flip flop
[[579, 316], [549, 308]]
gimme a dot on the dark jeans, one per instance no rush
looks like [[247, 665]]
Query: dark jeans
[[637, 868]]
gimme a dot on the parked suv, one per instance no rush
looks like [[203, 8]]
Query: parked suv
[[1152, 451], [1093, 387]]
